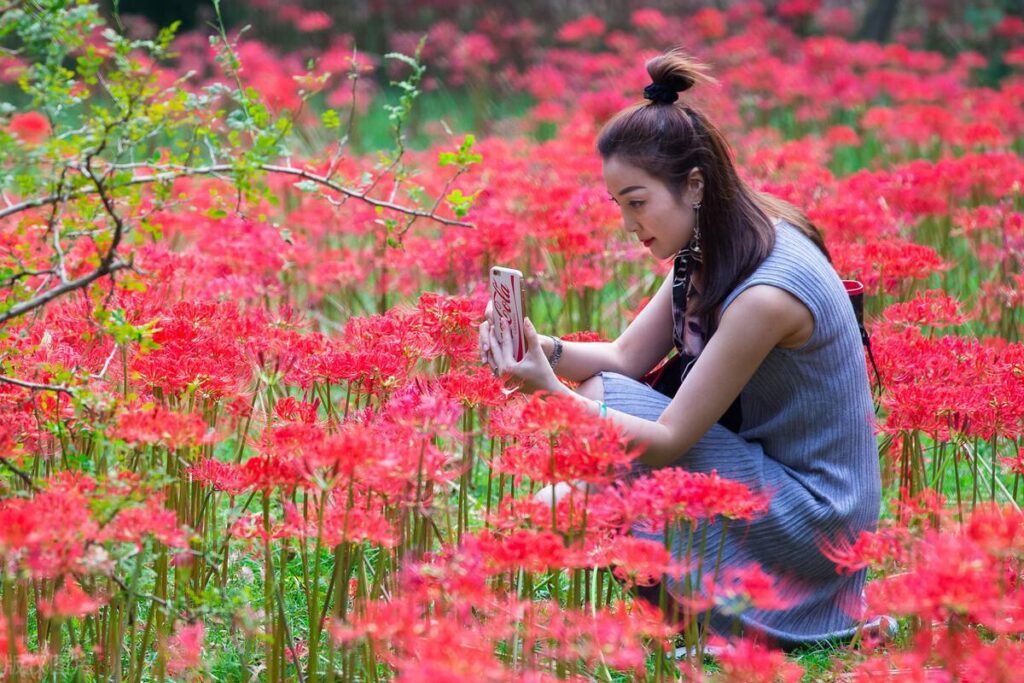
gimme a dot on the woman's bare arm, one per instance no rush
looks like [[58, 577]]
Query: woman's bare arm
[[646, 340], [760, 318]]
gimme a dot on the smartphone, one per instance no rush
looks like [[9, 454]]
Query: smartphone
[[507, 298]]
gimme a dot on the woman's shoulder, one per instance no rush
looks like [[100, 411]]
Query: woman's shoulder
[[793, 255], [796, 265]]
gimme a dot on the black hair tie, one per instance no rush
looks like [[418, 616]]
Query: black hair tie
[[656, 92]]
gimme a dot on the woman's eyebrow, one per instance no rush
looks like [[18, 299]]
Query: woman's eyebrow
[[627, 190]]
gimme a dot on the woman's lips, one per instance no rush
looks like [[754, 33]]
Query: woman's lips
[[647, 243]]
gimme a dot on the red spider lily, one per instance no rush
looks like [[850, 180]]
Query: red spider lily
[[585, 336], [711, 22], [670, 494], [455, 577], [264, 473], [199, 346], [218, 475], [999, 531], [568, 442], [185, 650], [648, 19], [877, 549], [273, 74], [745, 660], [70, 601], [328, 364], [950, 384], [911, 667], [596, 514], [48, 533], [951, 576], [150, 519], [420, 639], [313, 21], [933, 308], [612, 636], [151, 425], [842, 135], [739, 589], [927, 503], [30, 127], [342, 523], [1015, 464], [581, 29], [299, 454], [473, 386], [405, 461], [449, 322], [19, 430], [975, 659], [530, 550], [16, 656], [448, 651], [886, 266], [292, 409], [420, 407], [792, 9], [384, 350], [635, 561]]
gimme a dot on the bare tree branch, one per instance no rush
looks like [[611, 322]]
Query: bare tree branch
[[35, 386], [108, 206], [20, 474], [227, 168], [69, 286], [29, 273]]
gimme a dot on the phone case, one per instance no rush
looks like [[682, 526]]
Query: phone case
[[507, 295]]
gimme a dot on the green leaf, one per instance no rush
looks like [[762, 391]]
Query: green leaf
[[330, 119]]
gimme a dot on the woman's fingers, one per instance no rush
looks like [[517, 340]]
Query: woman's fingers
[[483, 341], [507, 354], [501, 349], [494, 350]]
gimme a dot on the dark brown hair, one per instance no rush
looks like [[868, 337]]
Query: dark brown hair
[[669, 139]]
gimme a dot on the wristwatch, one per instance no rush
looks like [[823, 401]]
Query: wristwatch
[[556, 353]]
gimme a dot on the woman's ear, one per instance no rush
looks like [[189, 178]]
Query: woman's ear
[[695, 185]]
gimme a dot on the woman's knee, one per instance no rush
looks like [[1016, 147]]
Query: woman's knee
[[592, 388]]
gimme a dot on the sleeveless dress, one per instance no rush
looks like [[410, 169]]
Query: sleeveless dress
[[807, 437]]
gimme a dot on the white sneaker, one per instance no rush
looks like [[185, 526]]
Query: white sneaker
[[882, 628], [710, 651]]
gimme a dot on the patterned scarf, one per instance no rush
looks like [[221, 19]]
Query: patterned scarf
[[687, 332]]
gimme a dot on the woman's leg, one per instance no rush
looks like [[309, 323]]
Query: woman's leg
[[592, 388]]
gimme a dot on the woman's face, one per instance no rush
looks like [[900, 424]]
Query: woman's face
[[662, 221]]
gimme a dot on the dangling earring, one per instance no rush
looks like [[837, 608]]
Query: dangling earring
[[695, 240]]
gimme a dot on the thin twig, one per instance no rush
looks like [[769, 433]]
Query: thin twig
[[34, 386], [20, 474], [70, 286], [227, 168], [106, 365]]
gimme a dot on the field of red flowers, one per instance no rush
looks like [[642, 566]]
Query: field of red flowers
[[244, 429]]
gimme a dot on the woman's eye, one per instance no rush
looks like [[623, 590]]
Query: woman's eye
[[636, 204]]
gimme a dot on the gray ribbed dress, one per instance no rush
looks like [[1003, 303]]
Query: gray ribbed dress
[[806, 436]]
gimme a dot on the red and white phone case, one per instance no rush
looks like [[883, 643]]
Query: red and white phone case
[[507, 295]]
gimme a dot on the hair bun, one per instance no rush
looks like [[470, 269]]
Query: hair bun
[[672, 73]]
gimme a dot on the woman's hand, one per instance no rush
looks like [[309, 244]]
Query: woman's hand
[[532, 373]]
